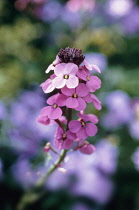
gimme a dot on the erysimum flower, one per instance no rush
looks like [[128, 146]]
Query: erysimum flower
[[65, 75], [92, 82], [64, 140], [82, 127], [54, 111], [85, 147], [75, 96]]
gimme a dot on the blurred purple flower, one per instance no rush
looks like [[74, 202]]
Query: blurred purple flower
[[81, 206], [106, 156], [98, 59], [71, 18], [1, 172], [131, 21], [50, 11], [89, 175], [25, 174], [2, 111], [118, 8], [135, 158], [134, 129], [26, 133], [119, 110], [134, 125], [77, 5]]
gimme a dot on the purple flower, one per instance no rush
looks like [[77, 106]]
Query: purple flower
[[45, 12], [64, 140], [65, 75], [85, 147], [119, 8], [119, 110], [89, 173], [54, 111], [25, 174], [135, 158], [2, 111], [134, 129], [92, 82], [130, 22], [1, 172], [82, 128], [75, 96]]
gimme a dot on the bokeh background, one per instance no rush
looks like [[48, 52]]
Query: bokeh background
[[31, 34]]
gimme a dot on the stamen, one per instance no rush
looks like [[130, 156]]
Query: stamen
[[66, 76], [88, 78], [83, 123], [64, 136], [55, 106], [75, 95]]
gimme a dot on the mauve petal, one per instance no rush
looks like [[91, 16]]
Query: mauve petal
[[50, 88], [70, 68], [46, 110], [61, 100], [74, 126], [58, 143], [88, 98], [97, 105], [87, 65], [45, 84], [91, 129], [82, 104], [96, 68], [94, 83], [72, 103], [50, 67], [87, 149], [43, 120], [82, 75], [67, 144], [82, 90], [52, 100], [59, 69], [55, 113], [96, 102], [56, 61], [72, 81], [91, 117], [81, 134], [59, 82], [68, 92], [71, 135], [59, 132]]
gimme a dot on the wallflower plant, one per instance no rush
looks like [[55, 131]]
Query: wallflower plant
[[71, 87]]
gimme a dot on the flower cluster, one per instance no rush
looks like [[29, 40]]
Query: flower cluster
[[73, 87]]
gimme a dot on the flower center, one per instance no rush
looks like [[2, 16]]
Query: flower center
[[55, 106], [64, 136], [75, 95], [66, 76], [88, 78], [82, 122]]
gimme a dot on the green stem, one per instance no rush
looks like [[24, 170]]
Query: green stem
[[37, 192]]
